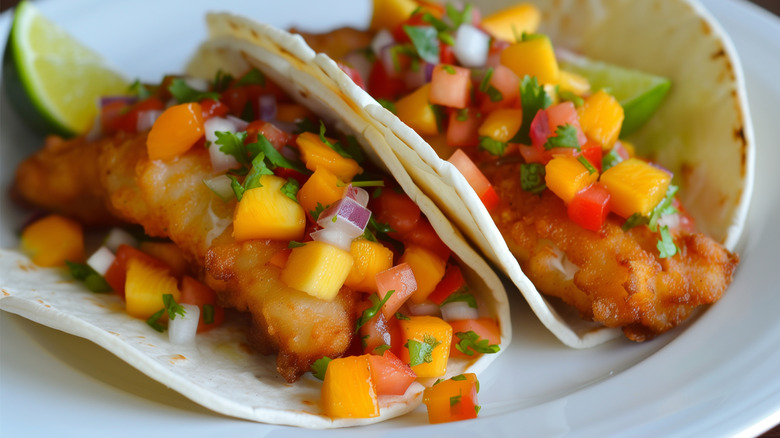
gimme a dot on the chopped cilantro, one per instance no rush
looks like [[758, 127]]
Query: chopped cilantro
[[458, 378], [455, 399], [273, 157], [91, 279], [477, 408], [401, 316], [425, 41], [440, 112], [458, 17], [610, 160], [584, 161], [421, 352], [666, 246], [354, 149], [154, 323], [494, 147], [290, 189], [140, 90], [252, 77], [183, 93], [447, 39], [294, 244], [635, 220], [335, 146], [485, 82], [315, 214], [532, 177], [232, 144], [172, 307], [449, 69], [320, 366], [494, 94], [462, 114], [471, 343], [566, 137], [437, 23], [461, 295], [373, 310], [380, 350], [208, 314], [222, 81], [665, 207], [388, 105], [568, 96], [533, 98], [259, 168]]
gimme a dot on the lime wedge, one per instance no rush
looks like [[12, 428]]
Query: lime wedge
[[52, 80], [638, 92]]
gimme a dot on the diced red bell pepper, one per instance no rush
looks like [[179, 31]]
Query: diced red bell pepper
[[274, 135], [593, 153], [375, 333], [451, 282], [391, 375], [196, 293], [590, 207], [381, 85], [127, 118]]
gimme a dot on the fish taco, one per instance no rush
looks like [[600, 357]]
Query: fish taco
[[274, 220], [598, 152]]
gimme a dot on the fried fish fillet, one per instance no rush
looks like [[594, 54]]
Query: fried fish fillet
[[613, 277], [100, 182]]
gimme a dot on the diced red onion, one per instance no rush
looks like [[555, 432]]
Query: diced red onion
[[347, 215], [359, 194], [458, 310], [332, 236], [146, 119], [101, 259], [424, 308], [182, 329], [471, 46], [198, 84], [423, 75], [221, 186], [117, 237], [220, 161], [106, 100], [267, 107]]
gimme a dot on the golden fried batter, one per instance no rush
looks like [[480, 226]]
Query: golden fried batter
[[614, 277], [113, 178]]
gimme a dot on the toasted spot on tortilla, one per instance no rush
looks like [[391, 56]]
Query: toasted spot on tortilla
[[177, 358], [115, 333], [719, 53]]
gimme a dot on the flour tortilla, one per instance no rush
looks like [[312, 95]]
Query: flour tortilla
[[702, 132], [220, 372]]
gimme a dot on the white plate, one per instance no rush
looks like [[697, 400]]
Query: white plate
[[717, 376]]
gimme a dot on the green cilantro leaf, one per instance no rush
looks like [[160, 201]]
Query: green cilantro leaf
[[532, 177], [666, 246], [140, 90], [665, 207], [172, 307], [273, 157], [568, 96], [154, 322], [566, 137], [485, 82], [458, 17], [471, 343], [290, 189], [449, 69], [421, 352], [533, 98], [233, 144], [320, 366], [183, 93], [335, 146], [259, 168], [222, 81], [610, 160], [584, 161], [455, 399], [402, 317], [315, 214], [388, 105], [294, 244], [91, 279], [373, 310], [635, 220], [447, 39], [380, 350], [458, 378], [425, 41], [477, 408], [494, 147], [461, 295], [354, 149], [252, 77]]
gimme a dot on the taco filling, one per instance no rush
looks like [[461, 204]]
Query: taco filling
[[251, 208], [543, 146]]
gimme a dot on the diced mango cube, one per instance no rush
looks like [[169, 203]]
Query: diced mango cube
[[317, 268], [53, 240], [509, 24], [169, 253], [145, 286], [370, 258], [316, 154], [388, 14], [501, 124], [533, 57], [426, 341], [416, 112], [322, 187], [565, 176], [601, 117], [635, 186], [428, 270], [267, 213], [348, 389]]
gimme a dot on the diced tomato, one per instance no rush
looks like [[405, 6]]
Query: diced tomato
[[110, 114], [506, 85], [196, 293], [533, 154], [451, 282], [213, 108], [375, 333], [117, 272], [397, 210], [590, 207], [392, 377], [686, 222], [463, 127], [275, 136], [382, 86], [454, 399], [540, 129], [593, 153], [400, 279], [424, 235], [486, 328], [237, 99], [127, 118], [562, 114], [450, 86], [475, 178], [353, 74], [446, 54]]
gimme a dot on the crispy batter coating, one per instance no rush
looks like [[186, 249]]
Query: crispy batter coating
[[613, 277], [115, 179]]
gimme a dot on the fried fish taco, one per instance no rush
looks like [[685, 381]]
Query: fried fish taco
[[276, 221], [527, 125]]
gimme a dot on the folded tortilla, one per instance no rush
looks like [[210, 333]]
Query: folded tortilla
[[220, 372], [702, 132]]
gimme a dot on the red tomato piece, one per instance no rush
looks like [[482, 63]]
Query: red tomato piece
[[400, 279], [451, 282], [563, 114], [382, 86], [486, 328], [454, 399], [446, 54], [274, 135], [213, 108], [117, 272], [396, 210], [450, 86], [474, 176], [533, 154], [196, 293], [590, 207], [353, 74], [540, 129], [593, 153], [391, 375], [463, 127], [374, 334], [127, 121], [424, 235]]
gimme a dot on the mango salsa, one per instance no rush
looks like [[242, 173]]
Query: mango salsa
[[53, 240], [322, 187], [370, 258], [315, 154], [267, 213], [565, 176], [635, 186], [426, 341], [428, 270], [317, 268], [532, 57], [145, 286], [416, 112], [601, 117], [348, 389], [510, 23], [501, 124]]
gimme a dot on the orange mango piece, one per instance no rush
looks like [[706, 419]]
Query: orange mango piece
[[145, 286], [53, 240], [370, 258], [426, 331], [635, 186], [453, 399], [316, 154], [169, 253], [388, 14], [323, 187], [348, 390], [317, 268], [532, 57], [428, 270], [502, 124], [267, 213], [565, 176], [416, 112], [509, 24], [175, 131], [601, 117]]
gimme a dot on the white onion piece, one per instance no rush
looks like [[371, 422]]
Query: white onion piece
[[220, 161], [146, 119], [118, 236], [101, 259], [346, 215], [182, 329], [218, 124], [221, 186], [458, 310], [471, 46], [382, 40], [267, 107], [424, 308], [197, 84], [238, 122], [334, 237], [670, 220], [359, 194]]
